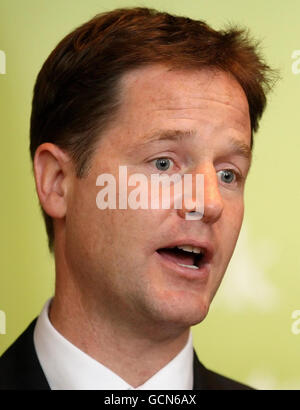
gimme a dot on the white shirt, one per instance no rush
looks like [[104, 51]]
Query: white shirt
[[68, 368]]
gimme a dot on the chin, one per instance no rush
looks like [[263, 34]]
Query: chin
[[182, 310], [185, 319]]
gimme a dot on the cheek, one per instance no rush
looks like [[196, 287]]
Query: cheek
[[234, 205], [112, 235], [233, 217], [238, 214], [86, 225]]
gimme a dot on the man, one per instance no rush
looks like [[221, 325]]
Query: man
[[157, 94]]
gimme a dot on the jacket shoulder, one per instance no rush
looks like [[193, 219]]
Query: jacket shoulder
[[205, 379], [219, 382], [19, 365]]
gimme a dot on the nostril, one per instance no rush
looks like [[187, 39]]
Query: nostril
[[194, 215]]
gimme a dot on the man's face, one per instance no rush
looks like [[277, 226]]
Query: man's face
[[199, 121]]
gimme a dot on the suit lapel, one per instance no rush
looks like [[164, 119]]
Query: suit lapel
[[199, 374], [19, 366]]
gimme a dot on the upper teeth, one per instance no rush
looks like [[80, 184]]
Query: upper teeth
[[189, 248]]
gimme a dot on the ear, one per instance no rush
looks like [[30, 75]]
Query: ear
[[52, 171]]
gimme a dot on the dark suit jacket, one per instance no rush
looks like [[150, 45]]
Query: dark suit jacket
[[20, 369]]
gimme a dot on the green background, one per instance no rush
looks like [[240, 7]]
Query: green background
[[247, 334]]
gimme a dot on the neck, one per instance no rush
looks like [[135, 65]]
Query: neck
[[114, 343]]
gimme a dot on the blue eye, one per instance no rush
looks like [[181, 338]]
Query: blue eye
[[227, 175], [163, 164]]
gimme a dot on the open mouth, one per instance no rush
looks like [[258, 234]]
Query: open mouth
[[188, 256]]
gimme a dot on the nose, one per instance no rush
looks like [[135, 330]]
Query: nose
[[212, 201]]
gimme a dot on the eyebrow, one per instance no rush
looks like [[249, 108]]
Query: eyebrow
[[168, 135], [160, 136], [236, 146], [241, 148]]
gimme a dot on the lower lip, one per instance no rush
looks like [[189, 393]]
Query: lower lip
[[201, 274]]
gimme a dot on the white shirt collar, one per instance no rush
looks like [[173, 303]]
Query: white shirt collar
[[68, 368]]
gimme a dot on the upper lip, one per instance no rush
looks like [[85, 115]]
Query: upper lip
[[206, 246]]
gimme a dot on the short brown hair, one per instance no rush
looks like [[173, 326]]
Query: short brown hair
[[76, 94]]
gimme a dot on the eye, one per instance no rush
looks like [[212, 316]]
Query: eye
[[227, 175], [163, 164]]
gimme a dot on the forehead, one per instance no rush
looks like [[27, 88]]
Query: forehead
[[161, 86], [209, 102]]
